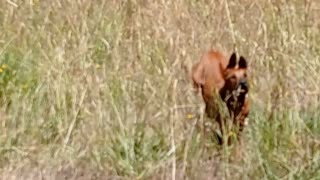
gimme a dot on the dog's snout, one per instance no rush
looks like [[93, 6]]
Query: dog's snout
[[243, 83]]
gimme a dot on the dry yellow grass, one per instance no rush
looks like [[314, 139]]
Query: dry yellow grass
[[99, 89]]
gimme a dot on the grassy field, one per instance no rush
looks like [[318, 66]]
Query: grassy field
[[100, 89]]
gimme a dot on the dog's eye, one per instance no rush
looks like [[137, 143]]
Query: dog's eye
[[245, 75]]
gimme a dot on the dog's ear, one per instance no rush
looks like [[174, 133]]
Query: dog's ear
[[232, 61], [243, 63]]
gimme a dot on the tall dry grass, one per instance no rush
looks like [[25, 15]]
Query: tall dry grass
[[100, 89]]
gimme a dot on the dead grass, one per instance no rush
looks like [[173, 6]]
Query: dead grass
[[100, 90]]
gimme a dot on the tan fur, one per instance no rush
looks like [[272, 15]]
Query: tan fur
[[213, 76]]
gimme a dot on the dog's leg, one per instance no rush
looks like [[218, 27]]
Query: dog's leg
[[240, 121]]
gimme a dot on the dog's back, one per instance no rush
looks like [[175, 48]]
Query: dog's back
[[208, 73]]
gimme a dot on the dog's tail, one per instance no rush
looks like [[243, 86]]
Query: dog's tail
[[198, 76]]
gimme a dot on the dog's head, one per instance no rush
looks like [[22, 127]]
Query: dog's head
[[236, 82]]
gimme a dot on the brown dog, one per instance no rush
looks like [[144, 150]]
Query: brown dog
[[223, 79]]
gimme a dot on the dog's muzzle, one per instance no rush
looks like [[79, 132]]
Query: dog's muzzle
[[244, 84]]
